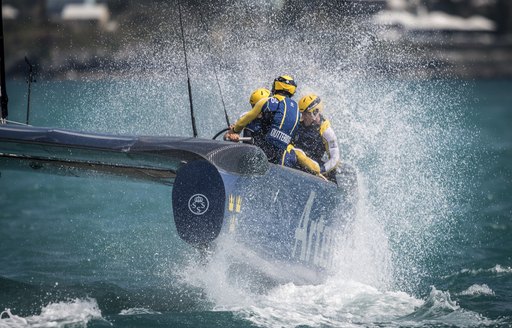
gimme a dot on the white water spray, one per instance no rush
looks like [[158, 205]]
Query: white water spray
[[76, 313], [399, 134]]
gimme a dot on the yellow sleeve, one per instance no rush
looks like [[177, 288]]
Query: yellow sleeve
[[324, 126], [249, 116], [306, 162]]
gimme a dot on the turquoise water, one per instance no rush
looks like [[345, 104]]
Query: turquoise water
[[431, 244]]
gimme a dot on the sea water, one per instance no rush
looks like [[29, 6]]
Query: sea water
[[429, 246]]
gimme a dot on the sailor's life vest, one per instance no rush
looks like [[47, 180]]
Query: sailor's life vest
[[319, 142], [279, 121]]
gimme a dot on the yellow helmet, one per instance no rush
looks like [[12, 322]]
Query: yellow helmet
[[284, 84], [258, 94], [311, 103]]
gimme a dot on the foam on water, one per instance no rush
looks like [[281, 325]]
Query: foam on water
[[335, 303], [477, 289], [224, 290], [339, 302], [439, 309], [77, 313], [138, 311], [496, 270]]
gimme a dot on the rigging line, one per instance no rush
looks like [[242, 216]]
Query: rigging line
[[194, 129], [3, 97], [30, 79], [214, 69]]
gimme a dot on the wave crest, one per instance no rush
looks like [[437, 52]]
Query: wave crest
[[77, 312]]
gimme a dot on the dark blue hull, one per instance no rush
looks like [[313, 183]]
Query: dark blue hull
[[284, 218], [280, 217]]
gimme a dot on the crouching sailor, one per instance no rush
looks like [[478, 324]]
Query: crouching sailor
[[316, 138], [279, 121], [253, 130]]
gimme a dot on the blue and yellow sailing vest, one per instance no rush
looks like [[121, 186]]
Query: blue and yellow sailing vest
[[280, 121]]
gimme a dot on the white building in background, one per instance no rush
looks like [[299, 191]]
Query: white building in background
[[89, 10], [412, 15], [9, 12]]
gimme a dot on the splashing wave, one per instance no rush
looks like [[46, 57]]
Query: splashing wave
[[77, 312]]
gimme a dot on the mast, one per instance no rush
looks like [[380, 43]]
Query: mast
[[3, 91]]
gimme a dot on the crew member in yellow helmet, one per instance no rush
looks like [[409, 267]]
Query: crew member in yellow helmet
[[316, 138], [253, 130], [257, 95], [279, 121]]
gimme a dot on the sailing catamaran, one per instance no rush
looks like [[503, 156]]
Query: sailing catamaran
[[285, 218]]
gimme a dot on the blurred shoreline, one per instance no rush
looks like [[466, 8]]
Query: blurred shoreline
[[135, 36]]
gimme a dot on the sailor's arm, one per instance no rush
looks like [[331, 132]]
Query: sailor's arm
[[306, 162], [249, 116], [333, 150], [242, 122]]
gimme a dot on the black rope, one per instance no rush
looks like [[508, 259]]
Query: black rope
[[194, 129], [219, 133], [3, 97], [30, 79]]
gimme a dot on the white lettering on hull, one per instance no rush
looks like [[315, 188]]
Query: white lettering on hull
[[313, 239]]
